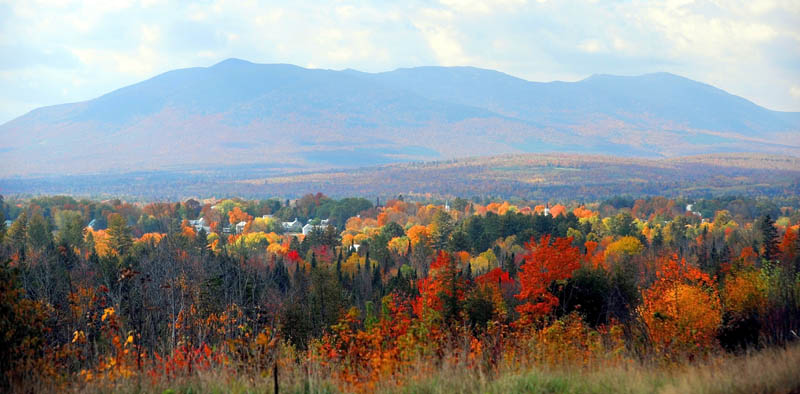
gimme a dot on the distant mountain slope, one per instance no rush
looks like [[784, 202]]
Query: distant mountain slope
[[237, 112]]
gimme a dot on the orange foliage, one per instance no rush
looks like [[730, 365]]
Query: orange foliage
[[354, 224], [236, 215], [382, 219], [418, 234], [499, 208], [681, 309], [593, 257], [101, 239], [558, 209], [151, 237], [462, 257], [582, 213], [745, 292], [187, 230], [748, 256]]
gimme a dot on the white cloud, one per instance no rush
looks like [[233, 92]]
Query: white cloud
[[592, 46], [482, 6], [444, 43]]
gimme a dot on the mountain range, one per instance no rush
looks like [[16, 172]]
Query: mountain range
[[284, 116]]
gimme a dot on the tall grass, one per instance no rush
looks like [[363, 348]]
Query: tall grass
[[774, 370]]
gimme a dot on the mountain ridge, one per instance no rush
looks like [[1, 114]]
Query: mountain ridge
[[236, 112]]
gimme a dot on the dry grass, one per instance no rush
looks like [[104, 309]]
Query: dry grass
[[768, 371]]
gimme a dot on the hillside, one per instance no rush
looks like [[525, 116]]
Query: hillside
[[529, 176], [284, 116]]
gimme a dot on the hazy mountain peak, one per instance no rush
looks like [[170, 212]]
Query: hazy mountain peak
[[232, 62]]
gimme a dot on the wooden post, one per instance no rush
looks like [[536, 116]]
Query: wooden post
[[275, 376]]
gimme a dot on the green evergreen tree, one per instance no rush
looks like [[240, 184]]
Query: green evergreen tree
[[39, 237], [119, 234], [17, 235], [769, 238], [339, 266]]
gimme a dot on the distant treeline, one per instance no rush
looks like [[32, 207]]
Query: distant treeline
[[527, 177]]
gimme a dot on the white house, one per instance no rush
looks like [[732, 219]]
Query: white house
[[690, 208], [240, 227], [292, 227], [200, 224], [310, 227]]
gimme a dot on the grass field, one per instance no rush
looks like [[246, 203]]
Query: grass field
[[768, 371]]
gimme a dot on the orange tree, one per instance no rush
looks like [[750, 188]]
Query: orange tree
[[682, 309]]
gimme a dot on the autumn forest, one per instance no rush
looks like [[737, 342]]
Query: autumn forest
[[405, 295]]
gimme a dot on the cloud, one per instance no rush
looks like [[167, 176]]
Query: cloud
[[27, 57], [592, 46], [482, 6], [63, 50]]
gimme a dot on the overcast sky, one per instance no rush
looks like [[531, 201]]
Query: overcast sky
[[56, 51]]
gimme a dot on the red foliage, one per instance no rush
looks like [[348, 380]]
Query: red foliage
[[789, 245], [496, 275], [293, 256], [544, 265], [442, 280]]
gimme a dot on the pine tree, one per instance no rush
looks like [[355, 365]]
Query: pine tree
[[17, 234], [119, 234], [2, 221], [339, 266], [39, 236], [511, 265], [769, 238], [377, 282]]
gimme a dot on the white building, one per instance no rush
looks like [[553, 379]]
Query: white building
[[310, 227], [200, 224], [292, 227]]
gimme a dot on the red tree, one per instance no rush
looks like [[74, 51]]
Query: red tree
[[544, 264]]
